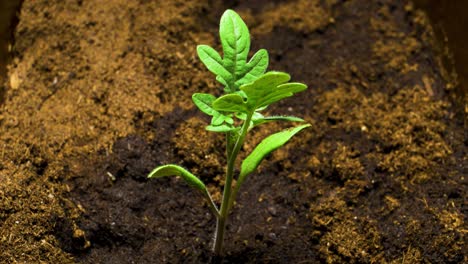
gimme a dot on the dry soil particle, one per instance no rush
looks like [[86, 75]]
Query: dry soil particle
[[99, 94]]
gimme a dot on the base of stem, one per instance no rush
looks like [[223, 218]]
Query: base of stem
[[219, 236]]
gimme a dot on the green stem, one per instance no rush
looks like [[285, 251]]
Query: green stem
[[224, 211], [233, 196], [212, 205]]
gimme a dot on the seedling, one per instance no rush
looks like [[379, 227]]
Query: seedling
[[248, 91]]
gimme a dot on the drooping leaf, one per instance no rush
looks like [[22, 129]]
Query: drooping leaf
[[175, 170], [265, 147], [189, 178], [230, 103], [204, 102], [254, 68]]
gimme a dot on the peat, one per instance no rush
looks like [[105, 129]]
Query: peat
[[98, 95]]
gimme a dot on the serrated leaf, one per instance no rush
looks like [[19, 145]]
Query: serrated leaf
[[269, 88], [204, 102], [175, 170], [221, 80], [254, 68], [232, 70], [265, 147], [263, 86], [217, 119], [220, 118], [229, 120], [213, 62], [230, 103], [222, 128], [235, 40], [281, 92], [224, 83]]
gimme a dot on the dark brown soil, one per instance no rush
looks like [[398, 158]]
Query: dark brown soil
[[99, 94]]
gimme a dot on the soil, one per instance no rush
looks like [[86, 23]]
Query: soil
[[100, 94]]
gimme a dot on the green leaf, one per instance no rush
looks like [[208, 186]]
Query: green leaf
[[281, 92], [232, 70], [269, 88], [265, 147], [255, 116], [222, 128], [217, 119], [263, 86], [229, 120], [258, 121], [175, 170], [230, 103], [204, 102], [254, 68], [223, 82], [213, 61], [235, 39]]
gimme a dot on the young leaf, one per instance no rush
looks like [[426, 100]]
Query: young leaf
[[204, 102], [221, 129], [255, 116], [254, 68], [269, 88], [267, 145], [229, 120], [230, 103], [233, 70], [263, 86], [223, 82], [217, 119], [258, 121], [281, 92], [175, 170], [213, 62], [235, 39]]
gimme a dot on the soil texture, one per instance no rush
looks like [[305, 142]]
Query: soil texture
[[99, 93]]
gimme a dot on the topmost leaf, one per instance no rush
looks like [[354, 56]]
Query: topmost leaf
[[233, 70], [235, 39]]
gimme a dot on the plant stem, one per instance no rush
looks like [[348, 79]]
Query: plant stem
[[211, 204], [224, 211]]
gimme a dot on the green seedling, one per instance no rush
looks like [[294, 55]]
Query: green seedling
[[248, 90]]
